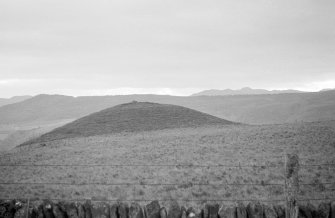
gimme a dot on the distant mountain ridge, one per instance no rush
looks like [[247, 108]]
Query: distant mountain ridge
[[251, 109], [132, 117], [243, 91], [14, 99]]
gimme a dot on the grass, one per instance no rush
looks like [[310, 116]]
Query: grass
[[242, 145]]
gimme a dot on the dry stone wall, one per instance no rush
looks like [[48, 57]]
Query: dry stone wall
[[88, 209]]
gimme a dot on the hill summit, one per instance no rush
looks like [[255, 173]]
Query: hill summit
[[132, 117]]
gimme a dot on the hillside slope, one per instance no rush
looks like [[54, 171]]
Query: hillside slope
[[19, 136], [146, 158], [133, 117], [12, 100], [252, 109]]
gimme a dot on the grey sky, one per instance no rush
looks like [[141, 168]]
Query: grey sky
[[164, 47]]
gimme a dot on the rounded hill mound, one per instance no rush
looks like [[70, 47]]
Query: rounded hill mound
[[132, 117]]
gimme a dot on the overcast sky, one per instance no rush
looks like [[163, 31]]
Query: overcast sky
[[164, 46]]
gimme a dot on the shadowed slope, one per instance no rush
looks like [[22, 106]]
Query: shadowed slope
[[133, 117]]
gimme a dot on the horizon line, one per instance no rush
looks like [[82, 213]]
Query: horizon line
[[169, 94]]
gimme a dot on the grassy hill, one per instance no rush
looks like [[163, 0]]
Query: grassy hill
[[252, 109], [133, 117], [178, 160]]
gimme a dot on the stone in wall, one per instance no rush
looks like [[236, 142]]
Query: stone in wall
[[280, 211], [58, 211], [9, 208], [88, 209], [323, 210], [113, 211], [100, 210], [183, 213], [174, 210], [81, 210], [122, 210], [71, 209], [193, 213], [255, 210], [313, 209], [227, 212], [241, 211], [152, 210], [135, 211], [32, 213], [47, 209], [332, 210], [269, 212], [205, 212], [22, 212], [40, 213], [211, 211], [163, 213], [21, 209], [305, 212]]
